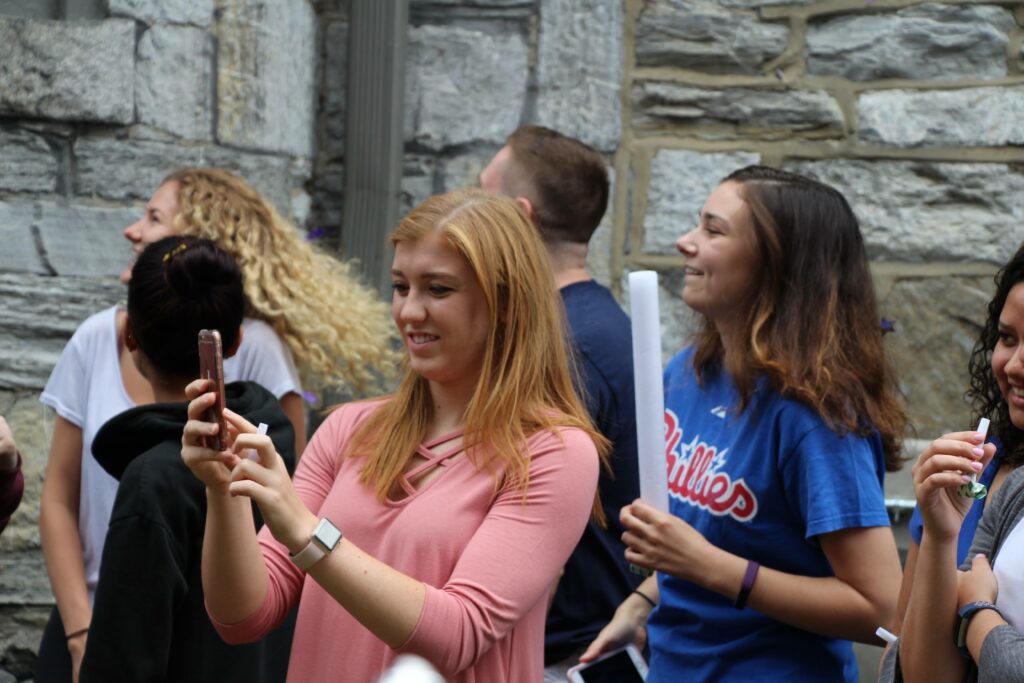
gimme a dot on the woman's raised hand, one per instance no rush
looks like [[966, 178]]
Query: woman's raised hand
[[267, 483], [944, 465], [210, 466]]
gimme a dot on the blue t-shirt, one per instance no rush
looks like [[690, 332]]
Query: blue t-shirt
[[971, 519], [761, 484], [597, 576]]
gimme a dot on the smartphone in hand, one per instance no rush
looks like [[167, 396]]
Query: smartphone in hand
[[626, 665], [211, 367]]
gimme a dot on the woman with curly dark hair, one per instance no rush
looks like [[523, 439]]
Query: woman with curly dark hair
[[983, 604]]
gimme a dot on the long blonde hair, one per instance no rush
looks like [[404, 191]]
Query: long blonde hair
[[337, 329], [525, 383]]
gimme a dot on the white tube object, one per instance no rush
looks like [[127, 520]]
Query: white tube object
[[251, 452], [885, 635], [983, 430], [649, 391]]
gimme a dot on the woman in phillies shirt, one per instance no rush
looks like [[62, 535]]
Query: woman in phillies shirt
[[780, 422]]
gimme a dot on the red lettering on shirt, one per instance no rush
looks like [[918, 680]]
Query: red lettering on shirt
[[696, 476]]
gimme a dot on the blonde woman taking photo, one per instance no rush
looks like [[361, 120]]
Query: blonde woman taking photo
[[308, 320], [433, 521]]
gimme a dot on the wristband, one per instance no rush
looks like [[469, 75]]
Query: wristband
[[325, 538], [75, 634], [966, 613], [748, 584], [645, 597]]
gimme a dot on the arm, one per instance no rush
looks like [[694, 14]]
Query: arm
[[629, 623], [12, 481], [849, 605], [927, 650], [501, 575], [909, 567], [291, 404], [58, 529]]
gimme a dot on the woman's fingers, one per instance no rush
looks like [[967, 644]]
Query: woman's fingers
[[240, 423], [260, 444], [196, 388], [198, 406]]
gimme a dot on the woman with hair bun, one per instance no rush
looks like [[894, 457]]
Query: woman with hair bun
[[149, 622], [306, 315]]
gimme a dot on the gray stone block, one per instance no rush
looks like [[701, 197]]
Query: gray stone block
[[132, 169], [984, 117], [266, 61], [81, 240], [758, 4], [335, 87], [80, 71], [681, 181], [18, 253], [39, 316], [20, 631], [75, 239], [463, 86], [579, 70], [924, 211], [930, 41], [174, 81], [417, 182], [702, 35], [462, 171], [29, 165], [937, 322], [748, 107], [196, 12]]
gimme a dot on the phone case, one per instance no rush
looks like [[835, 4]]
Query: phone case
[[578, 673], [211, 367]]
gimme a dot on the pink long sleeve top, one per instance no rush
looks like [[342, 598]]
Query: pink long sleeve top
[[486, 557]]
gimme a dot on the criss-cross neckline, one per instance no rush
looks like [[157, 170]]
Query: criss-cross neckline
[[431, 459]]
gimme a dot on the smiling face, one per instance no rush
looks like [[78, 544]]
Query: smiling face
[[1008, 354], [441, 312], [721, 262], [154, 225]]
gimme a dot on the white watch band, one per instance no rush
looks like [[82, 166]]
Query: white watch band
[[325, 538]]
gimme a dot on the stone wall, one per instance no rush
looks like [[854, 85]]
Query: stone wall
[[911, 109]]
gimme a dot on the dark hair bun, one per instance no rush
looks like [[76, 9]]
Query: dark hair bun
[[179, 286]]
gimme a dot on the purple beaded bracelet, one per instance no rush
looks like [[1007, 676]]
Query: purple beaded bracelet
[[748, 584]]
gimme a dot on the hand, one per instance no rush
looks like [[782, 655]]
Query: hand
[[76, 648], [977, 584], [943, 466], [628, 625], [663, 542], [267, 483], [211, 467], [8, 448]]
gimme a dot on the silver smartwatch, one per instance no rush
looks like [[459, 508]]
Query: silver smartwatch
[[325, 538]]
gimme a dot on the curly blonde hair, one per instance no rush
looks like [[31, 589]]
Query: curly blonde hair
[[337, 329]]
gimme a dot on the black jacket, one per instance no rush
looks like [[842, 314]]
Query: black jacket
[[149, 620]]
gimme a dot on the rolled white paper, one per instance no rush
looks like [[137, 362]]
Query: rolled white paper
[[983, 430], [649, 392]]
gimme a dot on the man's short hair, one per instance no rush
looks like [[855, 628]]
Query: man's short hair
[[565, 180]]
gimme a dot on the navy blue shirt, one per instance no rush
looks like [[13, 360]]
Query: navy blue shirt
[[597, 576]]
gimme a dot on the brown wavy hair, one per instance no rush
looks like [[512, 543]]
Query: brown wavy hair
[[812, 328], [525, 384], [338, 330], [986, 398]]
